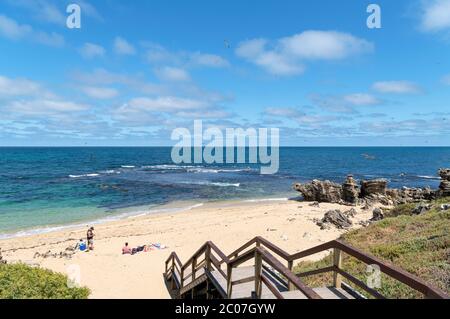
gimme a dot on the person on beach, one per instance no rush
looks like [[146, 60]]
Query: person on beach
[[81, 245], [90, 238], [126, 250]]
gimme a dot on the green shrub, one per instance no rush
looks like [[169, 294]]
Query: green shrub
[[19, 281]]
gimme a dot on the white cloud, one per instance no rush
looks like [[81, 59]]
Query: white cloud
[[42, 10], [9, 28], [282, 112], [286, 56], [397, 87], [157, 54], [12, 30], [167, 104], [172, 74], [18, 87], [361, 99], [100, 92], [204, 114], [209, 60], [436, 15], [91, 50], [164, 109], [324, 45], [123, 47], [300, 117], [44, 107], [26, 98]]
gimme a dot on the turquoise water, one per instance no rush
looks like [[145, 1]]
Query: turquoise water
[[48, 187]]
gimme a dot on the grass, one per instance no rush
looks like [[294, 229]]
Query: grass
[[417, 244], [19, 281]]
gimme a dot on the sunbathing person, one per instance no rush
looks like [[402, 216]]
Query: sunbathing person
[[126, 250]]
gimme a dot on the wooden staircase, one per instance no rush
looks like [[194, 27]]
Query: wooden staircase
[[253, 271]]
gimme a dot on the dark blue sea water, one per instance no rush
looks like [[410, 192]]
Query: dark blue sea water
[[47, 187]]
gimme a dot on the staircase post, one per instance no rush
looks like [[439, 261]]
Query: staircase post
[[291, 286], [172, 282], [229, 277], [258, 274], [182, 277], [208, 258], [194, 265], [337, 262]]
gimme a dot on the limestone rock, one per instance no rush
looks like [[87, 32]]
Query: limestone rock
[[421, 209], [377, 215], [320, 191], [336, 218], [350, 190], [350, 213], [373, 187]]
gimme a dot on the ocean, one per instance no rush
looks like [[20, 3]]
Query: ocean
[[43, 189]]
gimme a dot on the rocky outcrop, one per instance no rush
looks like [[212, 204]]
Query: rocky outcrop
[[320, 191], [350, 190], [335, 218], [377, 215], [444, 187], [371, 192], [373, 187], [421, 209]]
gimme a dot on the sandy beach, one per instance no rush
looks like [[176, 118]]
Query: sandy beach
[[109, 274]]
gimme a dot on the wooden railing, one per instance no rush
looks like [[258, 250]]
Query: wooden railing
[[262, 251], [394, 272]]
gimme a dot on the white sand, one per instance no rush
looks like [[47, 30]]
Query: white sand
[[109, 274]]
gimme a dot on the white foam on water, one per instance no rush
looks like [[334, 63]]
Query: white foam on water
[[84, 175], [218, 184]]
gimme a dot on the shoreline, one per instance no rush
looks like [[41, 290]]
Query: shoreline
[[135, 211], [109, 274]]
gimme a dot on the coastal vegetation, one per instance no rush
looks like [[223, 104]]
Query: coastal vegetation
[[419, 244], [20, 281]]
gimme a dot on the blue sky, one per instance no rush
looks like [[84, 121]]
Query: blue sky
[[138, 69]]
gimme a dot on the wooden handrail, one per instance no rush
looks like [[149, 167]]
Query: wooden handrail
[[389, 269], [276, 264], [262, 247], [242, 248], [261, 241], [277, 250], [200, 251]]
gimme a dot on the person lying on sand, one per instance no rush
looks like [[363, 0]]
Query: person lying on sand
[[126, 250]]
